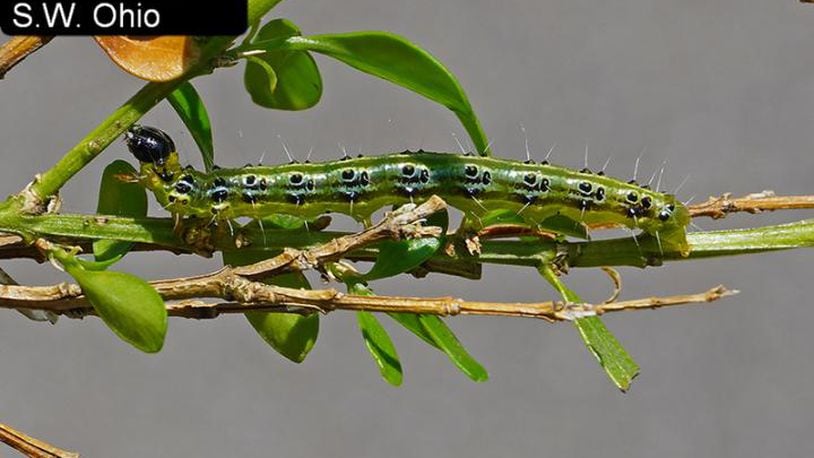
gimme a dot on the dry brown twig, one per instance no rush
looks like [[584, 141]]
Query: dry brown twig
[[13, 51], [30, 446], [249, 296], [719, 207], [237, 285], [236, 282]]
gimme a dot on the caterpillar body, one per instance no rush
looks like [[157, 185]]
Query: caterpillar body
[[359, 186]]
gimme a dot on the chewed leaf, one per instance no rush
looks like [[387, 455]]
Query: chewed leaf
[[190, 107], [128, 305], [118, 198], [281, 79], [155, 58], [399, 61], [611, 355]]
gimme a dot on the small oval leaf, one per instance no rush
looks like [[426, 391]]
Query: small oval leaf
[[260, 80], [118, 198], [190, 108], [128, 305], [281, 79], [290, 334]]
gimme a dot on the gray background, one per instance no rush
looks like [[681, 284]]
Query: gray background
[[721, 89]]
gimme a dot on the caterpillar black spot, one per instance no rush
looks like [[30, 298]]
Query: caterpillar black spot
[[359, 186]]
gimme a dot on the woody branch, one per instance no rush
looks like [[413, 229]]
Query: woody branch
[[237, 287]]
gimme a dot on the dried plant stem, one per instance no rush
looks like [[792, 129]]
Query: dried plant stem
[[236, 282], [16, 49], [236, 285], [399, 224], [53, 227], [719, 207], [247, 295], [30, 446]]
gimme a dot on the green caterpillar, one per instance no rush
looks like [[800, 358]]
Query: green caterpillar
[[360, 186]]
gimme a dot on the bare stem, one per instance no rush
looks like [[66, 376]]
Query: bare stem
[[245, 295], [399, 224], [16, 49], [719, 207], [30, 446]]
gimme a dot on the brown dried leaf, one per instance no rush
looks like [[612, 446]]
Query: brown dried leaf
[[156, 58]]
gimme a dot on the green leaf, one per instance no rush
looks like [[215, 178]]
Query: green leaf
[[395, 59], [501, 217], [564, 225], [98, 265], [118, 198], [612, 356], [381, 348], [291, 334], [439, 219], [449, 344], [280, 79], [396, 257], [377, 340], [258, 8], [128, 305], [190, 107], [413, 324], [284, 221], [260, 80]]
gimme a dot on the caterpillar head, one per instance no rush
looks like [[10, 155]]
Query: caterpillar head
[[149, 144], [669, 222], [155, 150]]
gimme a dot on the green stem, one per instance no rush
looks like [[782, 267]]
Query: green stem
[[627, 252], [612, 252], [99, 138], [150, 95]]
